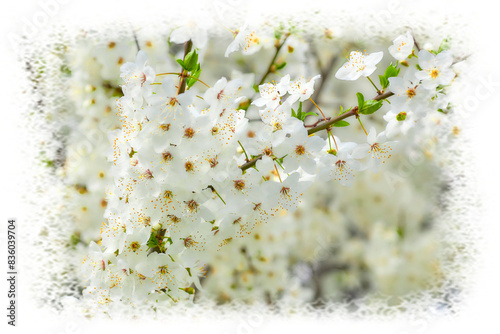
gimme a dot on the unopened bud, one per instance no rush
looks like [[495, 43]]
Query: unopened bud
[[401, 116]]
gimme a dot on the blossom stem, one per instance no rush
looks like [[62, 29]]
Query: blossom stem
[[376, 88], [270, 67], [359, 120], [215, 191], [246, 156], [322, 114], [329, 132], [277, 172]]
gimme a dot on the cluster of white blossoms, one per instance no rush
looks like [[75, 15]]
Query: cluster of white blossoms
[[94, 87], [191, 172]]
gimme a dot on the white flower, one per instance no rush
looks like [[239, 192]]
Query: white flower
[[245, 39], [435, 69], [284, 195], [301, 90], [399, 122], [276, 117], [402, 46], [377, 148], [407, 91], [271, 93], [223, 94], [194, 30], [137, 76], [340, 166], [300, 151], [358, 65]]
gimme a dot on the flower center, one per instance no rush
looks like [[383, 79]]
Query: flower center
[[189, 242], [239, 184], [411, 92], [434, 73], [167, 156], [173, 101], [300, 150], [285, 191], [167, 194], [134, 246], [148, 174], [340, 164], [192, 205], [189, 133], [213, 162], [163, 270], [189, 166]]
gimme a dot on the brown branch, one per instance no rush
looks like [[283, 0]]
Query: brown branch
[[324, 126], [316, 123], [182, 85]]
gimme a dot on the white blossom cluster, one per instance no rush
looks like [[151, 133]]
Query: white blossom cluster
[[191, 173], [94, 88]]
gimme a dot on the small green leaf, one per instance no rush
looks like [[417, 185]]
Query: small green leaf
[[445, 45], [383, 81], [181, 63], [191, 61], [190, 82], [280, 66], [341, 124], [370, 107], [342, 111], [391, 71], [153, 241], [311, 113], [361, 100], [278, 34]]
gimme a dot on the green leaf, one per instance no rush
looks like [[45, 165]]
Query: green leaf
[[445, 45], [341, 124], [280, 66], [191, 61], [190, 82], [383, 81], [391, 71], [361, 100], [278, 34], [311, 113], [300, 115], [342, 111], [370, 107], [153, 241], [181, 62]]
